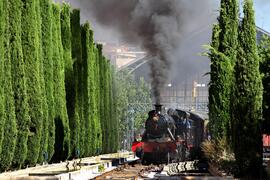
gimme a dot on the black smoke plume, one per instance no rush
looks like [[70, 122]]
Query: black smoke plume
[[159, 26], [153, 23]]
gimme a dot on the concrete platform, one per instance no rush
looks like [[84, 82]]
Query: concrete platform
[[79, 169]]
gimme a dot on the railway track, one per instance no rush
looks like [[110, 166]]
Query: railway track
[[172, 171]]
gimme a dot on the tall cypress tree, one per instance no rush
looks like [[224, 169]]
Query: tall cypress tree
[[101, 96], [224, 41], [47, 46], [107, 128], [30, 44], [248, 137], [93, 83], [81, 69], [90, 72], [2, 53], [61, 118], [19, 83], [228, 23], [92, 90], [44, 135], [69, 73], [10, 129], [264, 52], [75, 124], [88, 118], [98, 100], [214, 81]]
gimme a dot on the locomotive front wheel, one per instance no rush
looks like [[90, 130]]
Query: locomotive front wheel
[[146, 158]]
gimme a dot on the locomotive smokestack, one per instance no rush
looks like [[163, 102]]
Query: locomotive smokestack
[[158, 108]]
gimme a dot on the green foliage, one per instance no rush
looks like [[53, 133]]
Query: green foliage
[[248, 105], [2, 53], [107, 111], [66, 39], [264, 52], [133, 103], [53, 77], [144, 103], [47, 46], [93, 127], [228, 24], [124, 89], [19, 83], [105, 104], [75, 124], [44, 135], [219, 93], [61, 118], [224, 40], [68, 64], [101, 168], [107, 107], [215, 127], [98, 137], [235, 92], [87, 96], [9, 126], [101, 95], [30, 44]]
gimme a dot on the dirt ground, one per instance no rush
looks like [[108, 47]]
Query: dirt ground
[[129, 172]]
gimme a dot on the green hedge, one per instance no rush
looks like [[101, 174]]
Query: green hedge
[[93, 92], [30, 44], [19, 83], [102, 97], [44, 133], [2, 59], [56, 87], [47, 46], [98, 137], [62, 134], [75, 123], [88, 95], [9, 125], [66, 37]]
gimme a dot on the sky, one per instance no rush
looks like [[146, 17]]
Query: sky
[[262, 12]]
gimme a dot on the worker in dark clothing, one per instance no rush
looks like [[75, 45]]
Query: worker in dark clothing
[[187, 126]]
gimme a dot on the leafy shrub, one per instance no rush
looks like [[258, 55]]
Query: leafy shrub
[[219, 154]]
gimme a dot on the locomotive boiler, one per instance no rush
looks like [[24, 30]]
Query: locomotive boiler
[[171, 136]]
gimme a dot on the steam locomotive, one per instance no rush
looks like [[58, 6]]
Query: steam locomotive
[[170, 137]]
